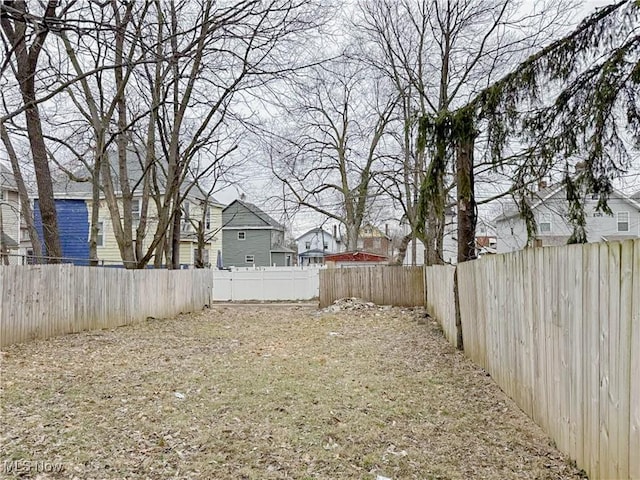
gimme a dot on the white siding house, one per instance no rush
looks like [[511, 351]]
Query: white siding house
[[10, 228], [552, 220], [314, 245]]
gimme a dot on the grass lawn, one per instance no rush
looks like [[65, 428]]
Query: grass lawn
[[264, 392]]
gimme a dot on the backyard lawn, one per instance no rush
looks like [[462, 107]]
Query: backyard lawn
[[264, 392]]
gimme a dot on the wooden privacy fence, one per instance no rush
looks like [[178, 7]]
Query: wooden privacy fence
[[42, 301], [441, 302], [383, 285], [558, 329]]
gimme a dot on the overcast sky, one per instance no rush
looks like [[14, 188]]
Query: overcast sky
[[307, 220]]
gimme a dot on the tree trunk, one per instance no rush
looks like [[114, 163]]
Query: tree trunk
[[175, 240], [199, 258], [352, 238], [27, 64], [46, 202], [25, 202], [95, 206], [3, 247], [466, 201], [402, 250]]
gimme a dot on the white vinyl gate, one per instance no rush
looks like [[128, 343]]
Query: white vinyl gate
[[266, 284]]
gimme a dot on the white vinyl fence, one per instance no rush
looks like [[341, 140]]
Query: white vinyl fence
[[266, 284]]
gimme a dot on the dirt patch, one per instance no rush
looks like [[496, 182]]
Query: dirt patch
[[265, 393]]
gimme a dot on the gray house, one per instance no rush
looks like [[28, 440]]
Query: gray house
[[550, 208], [250, 238]]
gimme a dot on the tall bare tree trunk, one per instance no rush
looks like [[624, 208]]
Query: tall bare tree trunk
[[95, 206], [27, 64], [466, 201], [402, 250], [3, 246], [25, 202], [175, 239]]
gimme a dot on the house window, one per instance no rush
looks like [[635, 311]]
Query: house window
[[325, 245], [544, 223], [249, 259], [207, 217], [242, 235], [307, 245], [597, 214], [186, 221], [623, 221], [100, 236], [135, 210]]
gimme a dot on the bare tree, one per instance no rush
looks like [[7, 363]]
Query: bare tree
[[437, 53], [25, 202], [326, 158], [155, 84], [25, 36]]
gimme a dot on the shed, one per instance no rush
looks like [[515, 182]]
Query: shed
[[355, 259]]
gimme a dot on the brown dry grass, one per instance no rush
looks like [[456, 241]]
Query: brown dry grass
[[269, 392]]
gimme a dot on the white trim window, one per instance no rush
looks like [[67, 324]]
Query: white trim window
[[135, 210], [544, 223], [623, 221], [242, 235], [249, 259], [186, 217], [207, 217], [100, 236]]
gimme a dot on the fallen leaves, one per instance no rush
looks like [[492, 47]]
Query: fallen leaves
[[266, 393]]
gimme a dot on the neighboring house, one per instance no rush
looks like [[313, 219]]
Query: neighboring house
[[486, 238], [450, 237], [373, 240], [355, 259], [250, 237], [74, 203], [314, 245], [550, 208], [10, 217]]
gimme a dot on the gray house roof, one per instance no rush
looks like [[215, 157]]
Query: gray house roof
[[268, 221], [8, 241], [63, 186], [539, 197], [7, 181]]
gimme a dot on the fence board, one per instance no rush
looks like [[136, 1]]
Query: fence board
[[46, 300], [624, 356], [384, 285], [440, 302], [575, 352], [634, 368], [559, 330]]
